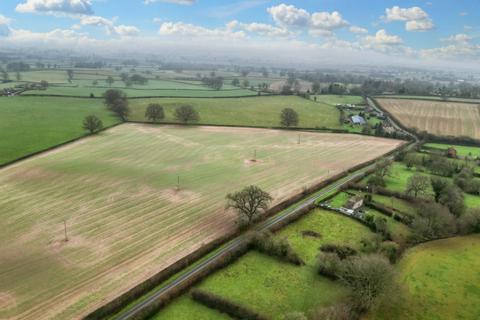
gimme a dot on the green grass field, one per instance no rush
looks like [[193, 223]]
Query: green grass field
[[98, 92], [440, 280], [274, 288], [256, 111], [29, 125], [127, 220], [185, 308], [463, 151], [333, 229], [337, 99]]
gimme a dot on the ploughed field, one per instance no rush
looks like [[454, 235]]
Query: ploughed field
[[126, 216], [436, 117]]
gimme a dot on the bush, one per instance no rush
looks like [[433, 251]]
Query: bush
[[295, 316], [329, 265], [369, 277], [433, 221], [223, 305], [469, 222], [342, 252], [391, 250], [265, 242], [340, 311]]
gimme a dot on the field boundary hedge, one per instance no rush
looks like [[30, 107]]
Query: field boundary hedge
[[223, 305], [427, 99], [254, 94]]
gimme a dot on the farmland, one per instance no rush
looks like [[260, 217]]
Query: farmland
[[440, 280], [274, 288], [29, 124], [439, 118], [127, 216], [462, 151], [256, 111]]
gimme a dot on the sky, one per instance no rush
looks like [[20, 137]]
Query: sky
[[437, 32]]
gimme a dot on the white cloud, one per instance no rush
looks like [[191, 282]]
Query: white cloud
[[382, 38], [458, 38], [182, 2], [110, 27], [259, 28], [420, 25], [4, 28], [357, 30], [328, 21], [459, 50], [68, 7], [317, 24], [190, 30], [405, 14], [289, 16], [416, 19]]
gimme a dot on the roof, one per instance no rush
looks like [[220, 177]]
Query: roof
[[358, 120]]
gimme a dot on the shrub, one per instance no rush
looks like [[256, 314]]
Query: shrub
[[339, 311], [342, 252], [295, 316], [469, 222], [433, 221], [223, 305], [265, 242], [390, 250], [369, 277], [329, 265]]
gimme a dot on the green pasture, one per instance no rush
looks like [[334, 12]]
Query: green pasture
[[463, 151], [255, 111], [29, 124], [439, 280], [333, 100], [187, 309]]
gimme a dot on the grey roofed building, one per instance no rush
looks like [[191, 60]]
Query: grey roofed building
[[358, 120]]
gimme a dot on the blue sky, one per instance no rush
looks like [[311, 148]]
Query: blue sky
[[436, 29]]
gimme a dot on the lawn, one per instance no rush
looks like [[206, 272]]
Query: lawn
[[256, 111], [332, 227], [462, 151], [185, 308], [28, 125], [125, 216], [271, 287], [333, 100], [439, 118], [440, 280]]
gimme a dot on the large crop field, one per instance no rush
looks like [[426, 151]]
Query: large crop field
[[126, 217], [30, 124], [256, 111], [439, 118], [440, 280]]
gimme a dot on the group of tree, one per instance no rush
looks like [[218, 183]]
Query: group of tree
[[213, 82], [90, 65], [381, 172], [133, 79], [117, 102], [18, 67], [185, 113]]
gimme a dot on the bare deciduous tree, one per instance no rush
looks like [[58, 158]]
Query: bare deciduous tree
[[249, 202]]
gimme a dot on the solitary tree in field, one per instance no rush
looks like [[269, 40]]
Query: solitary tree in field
[[70, 75], [417, 184], [249, 202], [186, 114], [92, 124], [18, 76], [289, 118], [154, 112], [110, 80], [44, 84]]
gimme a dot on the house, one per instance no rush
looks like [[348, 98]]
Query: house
[[358, 120], [354, 203]]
